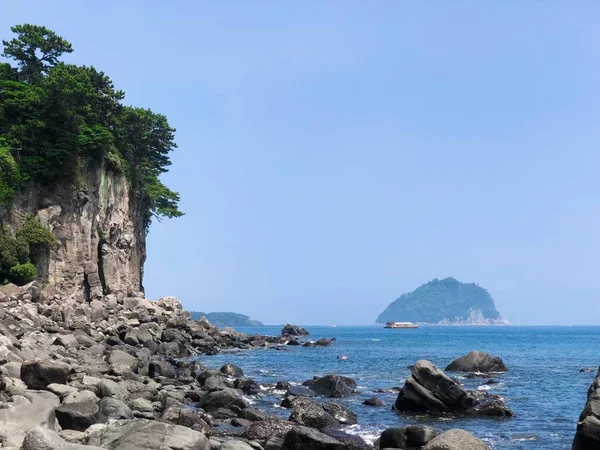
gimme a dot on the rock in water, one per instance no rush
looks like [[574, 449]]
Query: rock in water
[[308, 413], [232, 370], [428, 389], [293, 330], [455, 440], [340, 413], [587, 436], [333, 386], [413, 436], [476, 361]]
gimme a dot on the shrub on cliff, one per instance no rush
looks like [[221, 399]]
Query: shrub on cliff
[[36, 236], [9, 174], [22, 273]]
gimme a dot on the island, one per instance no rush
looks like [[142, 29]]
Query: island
[[444, 302], [227, 319]]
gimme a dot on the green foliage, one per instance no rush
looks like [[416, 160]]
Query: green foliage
[[9, 174], [440, 300], [13, 251], [23, 273], [36, 49], [38, 238], [227, 319], [58, 118]]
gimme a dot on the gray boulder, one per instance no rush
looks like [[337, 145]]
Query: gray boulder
[[413, 436], [333, 386], [308, 413], [350, 441], [304, 438], [268, 429], [38, 374], [111, 408], [77, 416], [44, 439], [455, 440], [587, 436], [476, 361], [149, 435], [225, 398]]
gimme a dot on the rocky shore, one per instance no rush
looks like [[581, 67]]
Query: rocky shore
[[121, 373]]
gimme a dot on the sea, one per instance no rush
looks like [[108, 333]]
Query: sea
[[543, 386]]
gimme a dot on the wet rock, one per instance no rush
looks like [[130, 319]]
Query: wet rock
[[476, 361], [351, 442], [232, 370], [373, 402], [340, 413], [323, 342]]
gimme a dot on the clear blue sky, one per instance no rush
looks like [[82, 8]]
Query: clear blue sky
[[333, 155]]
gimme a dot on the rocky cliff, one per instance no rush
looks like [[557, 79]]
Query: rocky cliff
[[100, 234]]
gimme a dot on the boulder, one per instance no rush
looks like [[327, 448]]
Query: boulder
[[38, 374], [373, 402], [149, 435], [304, 438], [268, 429], [476, 361], [340, 413], [300, 391], [308, 413], [122, 358], [217, 383], [333, 386], [231, 370], [456, 440], [587, 436], [80, 396], [77, 416], [323, 342], [350, 441], [112, 408], [235, 445], [293, 330], [412, 436], [44, 439], [109, 388], [225, 398], [428, 389]]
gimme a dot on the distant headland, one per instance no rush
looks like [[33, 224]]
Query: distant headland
[[227, 319], [445, 302]]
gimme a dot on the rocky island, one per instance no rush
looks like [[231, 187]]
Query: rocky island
[[445, 302]]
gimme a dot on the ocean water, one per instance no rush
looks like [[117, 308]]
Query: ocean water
[[543, 386]]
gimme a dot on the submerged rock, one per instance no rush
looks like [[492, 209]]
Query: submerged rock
[[341, 413], [476, 361]]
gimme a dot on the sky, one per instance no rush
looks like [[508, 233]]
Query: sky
[[336, 154]]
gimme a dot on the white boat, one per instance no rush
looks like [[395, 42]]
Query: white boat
[[401, 325]]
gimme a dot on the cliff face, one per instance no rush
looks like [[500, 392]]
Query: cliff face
[[101, 238]]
